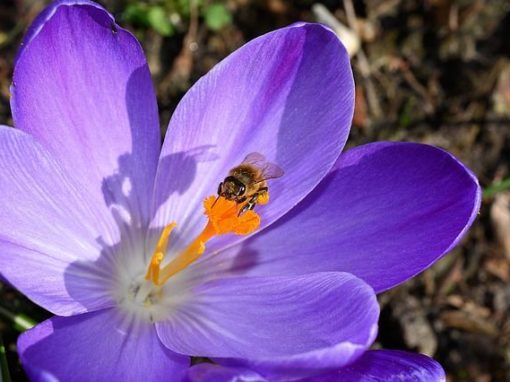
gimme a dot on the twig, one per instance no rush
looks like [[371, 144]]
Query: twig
[[363, 65], [348, 37]]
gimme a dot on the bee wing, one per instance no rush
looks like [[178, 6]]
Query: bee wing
[[269, 170], [256, 159]]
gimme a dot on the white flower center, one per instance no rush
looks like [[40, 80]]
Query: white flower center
[[140, 297], [153, 295]]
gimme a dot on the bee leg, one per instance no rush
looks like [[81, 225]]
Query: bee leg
[[243, 208], [250, 205]]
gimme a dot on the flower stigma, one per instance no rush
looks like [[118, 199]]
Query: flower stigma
[[223, 218]]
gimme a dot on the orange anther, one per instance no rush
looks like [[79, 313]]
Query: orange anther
[[223, 214], [223, 218]]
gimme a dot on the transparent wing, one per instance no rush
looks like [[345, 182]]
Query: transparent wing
[[256, 159], [272, 171], [269, 170]]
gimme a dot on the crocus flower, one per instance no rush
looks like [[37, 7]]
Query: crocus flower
[[106, 229]]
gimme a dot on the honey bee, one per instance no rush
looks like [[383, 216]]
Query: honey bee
[[247, 182]]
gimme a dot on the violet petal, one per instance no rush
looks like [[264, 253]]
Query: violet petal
[[295, 326], [208, 372], [387, 366], [99, 346], [372, 366], [48, 223], [385, 213], [288, 95], [82, 87]]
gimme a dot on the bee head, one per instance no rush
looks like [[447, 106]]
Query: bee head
[[231, 188]]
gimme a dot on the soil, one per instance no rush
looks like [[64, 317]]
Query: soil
[[432, 71]]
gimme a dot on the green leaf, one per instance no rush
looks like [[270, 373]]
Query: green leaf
[[159, 21], [21, 322], [492, 190], [406, 118], [155, 17], [136, 14], [217, 16], [4, 369]]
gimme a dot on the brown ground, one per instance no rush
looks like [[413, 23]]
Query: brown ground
[[435, 71]]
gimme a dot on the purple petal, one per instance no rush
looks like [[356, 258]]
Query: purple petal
[[387, 366], [208, 372], [287, 95], [291, 325], [45, 15], [100, 346], [385, 213], [83, 89], [48, 223], [372, 366]]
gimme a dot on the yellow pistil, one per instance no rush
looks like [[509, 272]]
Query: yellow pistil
[[223, 217]]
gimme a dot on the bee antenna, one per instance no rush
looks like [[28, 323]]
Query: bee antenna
[[215, 201]]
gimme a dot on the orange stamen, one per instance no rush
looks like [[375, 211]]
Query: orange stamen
[[223, 218], [159, 253]]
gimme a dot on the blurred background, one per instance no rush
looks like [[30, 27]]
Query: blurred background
[[435, 71]]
